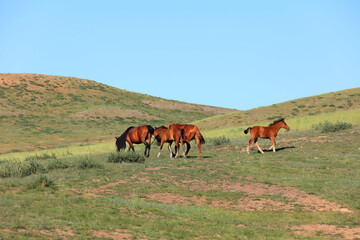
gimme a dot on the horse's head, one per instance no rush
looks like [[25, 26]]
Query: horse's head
[[284, 125], [117, 144]]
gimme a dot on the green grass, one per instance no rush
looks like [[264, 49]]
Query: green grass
[[69, 107], [186, 198]]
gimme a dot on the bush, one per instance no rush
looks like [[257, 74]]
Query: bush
[[327, 126], [40, 181], [88, 162], [125, 157], [220, 140], [57, 164], [41, 157], [20, 169]]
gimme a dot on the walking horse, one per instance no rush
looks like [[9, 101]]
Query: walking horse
[[136, 135], [163, 134], [190, 132], [269, 132]]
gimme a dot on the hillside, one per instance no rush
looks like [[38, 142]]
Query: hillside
[[40, 111], [309, 106]]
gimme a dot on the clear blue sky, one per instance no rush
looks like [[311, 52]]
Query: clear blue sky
[[234, 54]]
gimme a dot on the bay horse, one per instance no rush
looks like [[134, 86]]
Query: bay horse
[[269, 132], [190, 132], [163, 134], [135, 135]]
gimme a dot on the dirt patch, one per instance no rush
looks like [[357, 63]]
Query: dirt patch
[[327, 230], [112, 112], [118, 234], [256, 196]]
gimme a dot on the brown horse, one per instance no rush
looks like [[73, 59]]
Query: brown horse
[[135, 135], [163, 134], [190, 132], [269, 132]]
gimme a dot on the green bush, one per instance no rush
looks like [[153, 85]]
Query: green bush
[[57, 164], [20, 169], [125, 157], [41, 157], [327, 126], [88, 162], [40, 181], [220, 140]]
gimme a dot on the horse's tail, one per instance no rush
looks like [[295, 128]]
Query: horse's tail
[[182, 133], [247, 130], [121, 141], [150, 129], [201, 138]]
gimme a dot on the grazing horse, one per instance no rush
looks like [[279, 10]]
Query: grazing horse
[[135, 135], [190, 132], [269, 132], [163, 134]]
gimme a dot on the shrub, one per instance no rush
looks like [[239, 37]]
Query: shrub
[[220, 140], [20, 169], [57, 164], [41, 157], [125, 157], [88, 162], [40, 181], [327, 126]]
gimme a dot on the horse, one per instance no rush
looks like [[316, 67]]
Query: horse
[[269, 132], [163, 134], [190, 132], [135, 135]]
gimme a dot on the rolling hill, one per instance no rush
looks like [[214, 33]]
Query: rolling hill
[[41, 111], [309, 106]]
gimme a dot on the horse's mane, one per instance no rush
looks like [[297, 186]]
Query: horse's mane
[[161, 127], [275, 122]]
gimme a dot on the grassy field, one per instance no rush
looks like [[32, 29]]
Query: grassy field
[[71, 188], [40, 112], [308, 189], [304, 107]]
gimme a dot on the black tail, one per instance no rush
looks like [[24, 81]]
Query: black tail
[[121, 141], [150, 129], [247, 130]]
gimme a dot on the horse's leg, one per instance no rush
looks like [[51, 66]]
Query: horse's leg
[[273, 145], [256, 143], [248, 147], [199, 146], [170, 150], [147, 149], [188, 146], [161, 145], [149, 144], [183, 147], [177, 146]]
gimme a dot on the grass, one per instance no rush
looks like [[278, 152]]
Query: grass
[[185, 198], [296, 124], [69, 107]]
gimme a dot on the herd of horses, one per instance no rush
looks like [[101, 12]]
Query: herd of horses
[[184, 133]]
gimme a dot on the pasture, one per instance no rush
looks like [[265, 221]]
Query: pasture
[[308, 189]]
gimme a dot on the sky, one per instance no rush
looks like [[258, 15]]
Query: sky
[[233, 54]]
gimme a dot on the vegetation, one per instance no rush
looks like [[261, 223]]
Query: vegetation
[[307, 189], [326, 126], [311, 180], [125, 157], [79, 112]]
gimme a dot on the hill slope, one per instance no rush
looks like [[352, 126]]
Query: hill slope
[[330, 102], [42, 111]]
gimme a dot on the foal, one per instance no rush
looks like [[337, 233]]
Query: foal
[[163, 134], [269, 132]]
